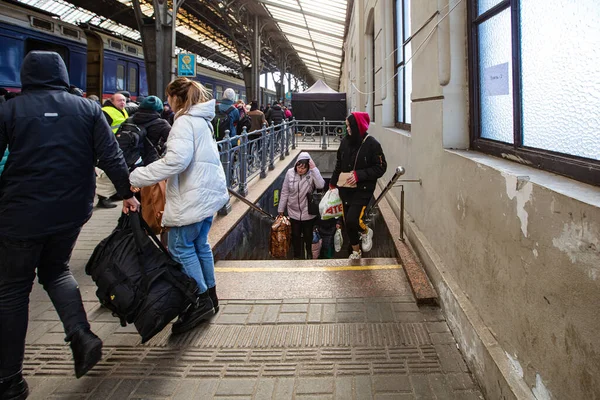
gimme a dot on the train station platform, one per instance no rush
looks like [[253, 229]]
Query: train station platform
[[322, 329]]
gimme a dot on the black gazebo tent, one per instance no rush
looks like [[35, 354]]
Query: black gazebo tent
[[318, 102]]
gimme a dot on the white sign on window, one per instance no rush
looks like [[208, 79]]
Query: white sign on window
[[496, 80]]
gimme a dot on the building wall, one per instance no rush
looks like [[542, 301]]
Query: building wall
[[523, 245]]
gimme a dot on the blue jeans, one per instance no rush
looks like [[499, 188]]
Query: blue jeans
[[19, 260], [189, 247]]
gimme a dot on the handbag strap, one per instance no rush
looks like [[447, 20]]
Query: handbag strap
[[361, 145]]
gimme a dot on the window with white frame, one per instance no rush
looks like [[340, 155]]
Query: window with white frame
[[403, 65], [535, 79]]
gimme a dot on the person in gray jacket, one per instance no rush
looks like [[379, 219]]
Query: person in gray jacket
[[299, 182]]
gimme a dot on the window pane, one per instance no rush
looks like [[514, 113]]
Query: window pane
[[120, 77], [407, 83], [495, 78], [399, 96], [560, 75], [407, 26], [484, 5], [399, 39], [132, 80]]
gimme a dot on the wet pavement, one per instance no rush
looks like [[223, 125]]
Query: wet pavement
[[286, 330]]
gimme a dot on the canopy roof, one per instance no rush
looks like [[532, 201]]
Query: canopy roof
[[315, 29]]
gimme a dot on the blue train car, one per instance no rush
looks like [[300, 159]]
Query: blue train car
[[98, 63], [23, 30], [114, 64]]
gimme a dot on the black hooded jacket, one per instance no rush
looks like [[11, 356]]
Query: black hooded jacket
[[275, 115], [157, 131], [55, 140], [367, 159]]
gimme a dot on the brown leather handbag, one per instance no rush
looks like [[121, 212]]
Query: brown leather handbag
[[281, 237], [153, 205]]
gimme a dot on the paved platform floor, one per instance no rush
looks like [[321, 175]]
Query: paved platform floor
[[316, 330]]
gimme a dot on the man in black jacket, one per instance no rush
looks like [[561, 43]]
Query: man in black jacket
[[361, 160], [46, 195], [275, 114]]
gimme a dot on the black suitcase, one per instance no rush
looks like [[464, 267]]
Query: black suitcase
[[137, 279]]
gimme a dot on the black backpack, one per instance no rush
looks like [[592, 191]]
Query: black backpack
[[133, 142], [137, 279], [222, 122], [244, 121]]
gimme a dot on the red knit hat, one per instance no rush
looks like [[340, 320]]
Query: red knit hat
[[363, 121]]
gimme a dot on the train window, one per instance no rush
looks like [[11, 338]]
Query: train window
[[132, 50], [74, 33], [42, 24], [132, 80], [33, 44], [120, 77], [219, 93], [115, 45], [209, 87]]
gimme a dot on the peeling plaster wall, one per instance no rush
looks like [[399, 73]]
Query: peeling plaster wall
[[522, 245]]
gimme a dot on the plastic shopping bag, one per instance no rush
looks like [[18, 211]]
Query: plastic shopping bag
[[281, 237], [331, 205], [338, 240]]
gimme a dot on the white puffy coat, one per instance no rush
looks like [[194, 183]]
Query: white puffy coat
[[196, 186]]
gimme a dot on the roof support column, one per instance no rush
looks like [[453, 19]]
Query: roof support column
[[256, 62], [157, 40], [283, 67]]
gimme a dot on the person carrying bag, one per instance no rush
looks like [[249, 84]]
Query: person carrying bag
[[299, 182]]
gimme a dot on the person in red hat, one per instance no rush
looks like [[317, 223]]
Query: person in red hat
[[360, 162]]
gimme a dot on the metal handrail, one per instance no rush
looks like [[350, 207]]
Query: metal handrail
[[250, 204]]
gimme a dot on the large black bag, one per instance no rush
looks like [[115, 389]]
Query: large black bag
[[137, 279]]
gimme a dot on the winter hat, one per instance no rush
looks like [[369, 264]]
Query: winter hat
[[152, 103], [229, 94], [359, 121]]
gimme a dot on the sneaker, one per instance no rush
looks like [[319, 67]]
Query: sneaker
[[356, 255], [14, 388], [366, 240], [87, 351]]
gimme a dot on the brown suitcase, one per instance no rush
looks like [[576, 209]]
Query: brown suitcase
[[281, 237]]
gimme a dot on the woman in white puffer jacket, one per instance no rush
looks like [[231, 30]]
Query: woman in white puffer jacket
[[196, 190], [299, 181]]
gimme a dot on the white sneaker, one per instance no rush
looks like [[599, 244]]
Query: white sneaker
[[355, 255], [366, 240]]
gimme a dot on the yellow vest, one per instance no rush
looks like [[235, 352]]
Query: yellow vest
[[117, 117]]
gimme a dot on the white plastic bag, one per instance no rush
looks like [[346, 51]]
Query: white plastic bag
[[331, 205], [338, 240]]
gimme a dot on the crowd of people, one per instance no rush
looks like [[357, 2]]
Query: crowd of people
[[61, 150]]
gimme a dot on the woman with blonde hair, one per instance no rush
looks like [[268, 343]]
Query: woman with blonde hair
[[196, 190]]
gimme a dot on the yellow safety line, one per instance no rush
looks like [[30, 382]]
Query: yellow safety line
[[309, 269]]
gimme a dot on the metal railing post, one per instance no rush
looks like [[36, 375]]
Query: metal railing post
[[294, 128], [243, 185], [323, 135], [226, 161], [272, 147], [287, 138], [282, 130], [263, 148]]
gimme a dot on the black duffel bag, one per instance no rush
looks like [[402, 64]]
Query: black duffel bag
[[137, 279]]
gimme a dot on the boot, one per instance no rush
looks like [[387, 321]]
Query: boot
[[14, 388], [87, 351], [212, 292], [194, 314], [103, 202]]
